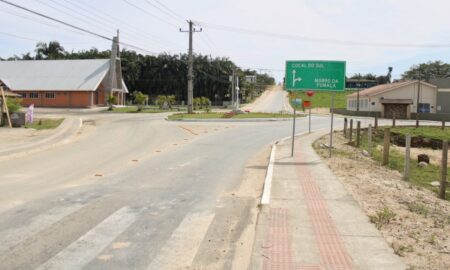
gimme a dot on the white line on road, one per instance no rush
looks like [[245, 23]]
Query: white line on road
[[11, 237], [78, 254], [180, 249], [268, 181]]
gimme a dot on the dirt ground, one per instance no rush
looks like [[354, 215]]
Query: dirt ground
[[413, 220]]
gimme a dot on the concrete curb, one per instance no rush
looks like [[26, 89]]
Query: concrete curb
[[231, 120], [66, 129], [265, 199]]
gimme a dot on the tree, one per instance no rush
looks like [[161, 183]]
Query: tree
[[52, 50], [140, 99], [13, 104], [428, 71], [112, 100]]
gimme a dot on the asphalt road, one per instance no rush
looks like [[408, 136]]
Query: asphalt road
[[132, 191], [274, 100]]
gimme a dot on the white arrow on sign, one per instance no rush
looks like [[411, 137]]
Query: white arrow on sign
[[294, 80]]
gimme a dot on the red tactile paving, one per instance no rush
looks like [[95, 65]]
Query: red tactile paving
[[332, 251], [278, 254]]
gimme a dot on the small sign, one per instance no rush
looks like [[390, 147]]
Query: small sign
[[30, 114]]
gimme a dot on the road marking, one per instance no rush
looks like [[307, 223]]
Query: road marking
[[188, 130], [269, 175], [78, 254], [180, 249], [11, 237]]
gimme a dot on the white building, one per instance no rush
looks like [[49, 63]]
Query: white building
[[395, 98]]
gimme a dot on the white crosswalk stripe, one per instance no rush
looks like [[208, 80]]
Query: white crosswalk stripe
[[179, 251], [13, 236], [78, 254]]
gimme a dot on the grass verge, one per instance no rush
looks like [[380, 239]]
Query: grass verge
[[220, 115], [45, 123], [425, 132], [322, 99], [418, 176], [148, 109]]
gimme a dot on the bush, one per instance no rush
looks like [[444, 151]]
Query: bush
[[169, 100], [197, 103], [14, 104], [140, 99], [112, 100], [205, 102], [160, 100]]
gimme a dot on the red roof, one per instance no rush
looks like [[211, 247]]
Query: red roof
[[385, 88]]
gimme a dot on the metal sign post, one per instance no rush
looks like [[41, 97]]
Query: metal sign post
[[332, 122], [294, 103], [293, 134], [309, 124]]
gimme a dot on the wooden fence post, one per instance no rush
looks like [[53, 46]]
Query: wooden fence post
[[406, 172], [376, 121], [369, 140], [443, 125], [345, 127], [393, 120], [351, 131], [358, 134], [387, 144], [443, 184]]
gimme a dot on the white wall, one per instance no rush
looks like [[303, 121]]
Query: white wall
[[428, 94]]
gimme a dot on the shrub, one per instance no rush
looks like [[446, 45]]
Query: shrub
[[140, 99], [14, 104], [382, 217], [112, 100], [160, 100], [197, 102]]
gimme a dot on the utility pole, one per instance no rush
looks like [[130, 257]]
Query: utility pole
[[418, 103], [359, 85], [190, 75], [233, 85], [237, 94]]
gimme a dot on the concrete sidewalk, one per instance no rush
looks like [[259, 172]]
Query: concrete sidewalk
[[312, 222]]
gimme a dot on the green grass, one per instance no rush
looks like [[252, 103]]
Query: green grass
[[418, 176], [44, 123], [217, 115], [426, 132], [148, 109], [322, 99]]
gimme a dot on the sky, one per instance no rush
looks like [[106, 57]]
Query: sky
[[259, 34]]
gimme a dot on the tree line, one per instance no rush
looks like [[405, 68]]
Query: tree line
[[424, 71], [165, 74]]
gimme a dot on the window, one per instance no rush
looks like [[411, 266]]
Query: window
[[34, 95], [50, 95], [24, 95], [424, 107]]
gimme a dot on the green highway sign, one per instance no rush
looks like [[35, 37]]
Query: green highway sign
[[315, 75]]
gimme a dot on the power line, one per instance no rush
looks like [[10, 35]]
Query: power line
[[37, 40], [321, 40], [23, 16], [135, 37], [149, 14], [170, 10], [73, 16], [164, 11], [74, 26], [129, 30]]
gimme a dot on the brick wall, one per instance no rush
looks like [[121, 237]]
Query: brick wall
[[76, 99]]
